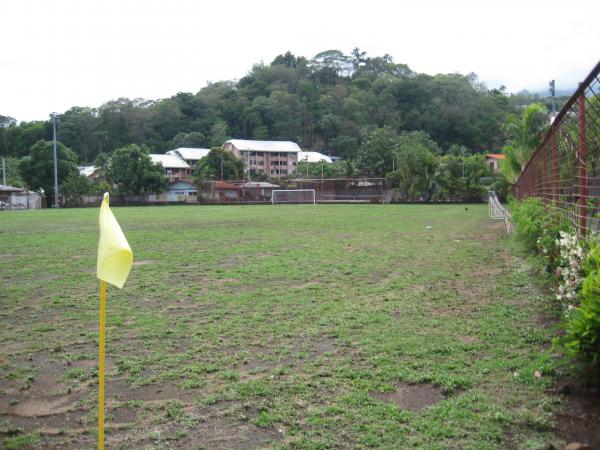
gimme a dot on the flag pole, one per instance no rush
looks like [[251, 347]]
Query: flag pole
[[101, 366]]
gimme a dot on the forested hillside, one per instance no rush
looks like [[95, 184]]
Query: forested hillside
[[328, 103]]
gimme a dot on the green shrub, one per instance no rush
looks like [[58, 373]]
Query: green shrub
[[582, 327], [538, 226]]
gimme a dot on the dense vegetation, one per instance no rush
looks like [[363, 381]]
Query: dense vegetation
[[329, 103], [572, 265]]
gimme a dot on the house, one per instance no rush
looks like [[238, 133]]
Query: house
[[190, 155], [259, 189], [17, 198], [92, 172], [220, 192], [176, 169], [182, 188], [493, 161], [313, 157], [273, 158]]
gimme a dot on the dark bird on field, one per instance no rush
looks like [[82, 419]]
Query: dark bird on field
[[466, 208]]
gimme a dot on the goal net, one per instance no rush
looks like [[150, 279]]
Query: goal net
[[497, 211], [279, 196]]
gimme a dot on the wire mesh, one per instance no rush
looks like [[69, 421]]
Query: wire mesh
[[564, 171]]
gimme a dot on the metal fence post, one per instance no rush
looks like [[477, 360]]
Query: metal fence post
[[582, 167], [545, 177], [555, 187]]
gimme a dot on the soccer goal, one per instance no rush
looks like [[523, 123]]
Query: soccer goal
[[279, 196], [497, 211]]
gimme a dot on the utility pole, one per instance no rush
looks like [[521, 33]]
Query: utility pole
[[4, 171], [248, 169], [553, 95], [306, 160], [55, 162]]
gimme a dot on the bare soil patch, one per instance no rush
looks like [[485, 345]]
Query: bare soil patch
[[412, 397], [226, 433], [579, 418]]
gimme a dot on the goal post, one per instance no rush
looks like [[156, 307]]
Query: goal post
[[279, 196]]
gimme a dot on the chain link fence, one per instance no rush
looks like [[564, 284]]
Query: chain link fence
[[565, 169]]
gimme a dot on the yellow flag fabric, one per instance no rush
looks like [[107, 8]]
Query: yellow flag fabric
[[114, 254]]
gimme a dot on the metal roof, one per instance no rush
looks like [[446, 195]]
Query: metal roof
[[265, 146], [189, 154], [313, 157], [260, 184], [169, 161], [495, 156], [87, 170], [6, 188]]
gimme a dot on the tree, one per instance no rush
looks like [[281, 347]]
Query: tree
[[37, 169], [5, 122], [19, 139], [194, 139], [219, 133], [75, 186], [358, 58], [219, 164], [132, 170], [376, 152], [75, 128], [13, 175], [525, 135], [337, 169]]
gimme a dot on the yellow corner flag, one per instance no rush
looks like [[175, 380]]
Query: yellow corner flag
[[114, 254], [114, 263]]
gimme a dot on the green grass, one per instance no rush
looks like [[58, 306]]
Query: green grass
[[277, 324]]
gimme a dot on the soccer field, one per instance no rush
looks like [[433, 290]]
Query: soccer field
[[292, 326]]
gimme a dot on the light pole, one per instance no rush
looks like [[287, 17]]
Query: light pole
[[4, 171], [553, 94], [55, 162]]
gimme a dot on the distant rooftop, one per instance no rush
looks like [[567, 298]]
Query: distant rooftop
[[265, 146], [496, 156], [87, 170], [189, 154], [259, 184], [6, 188], [313, 157], [169, 161]]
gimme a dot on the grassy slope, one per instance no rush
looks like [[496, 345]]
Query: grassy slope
[[241, 326]]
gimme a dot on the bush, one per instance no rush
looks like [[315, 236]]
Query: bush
[[539, 227], [542, 229], [582, 327]]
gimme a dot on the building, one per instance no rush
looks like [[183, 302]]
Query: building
[[176, 169], [182, 188], [19, 198], [493, 161], [220, 192], [92, 172], [313, 157], [259, 189], [190, 155], [275, 159]]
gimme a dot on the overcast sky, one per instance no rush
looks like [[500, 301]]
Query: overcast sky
[[58, 53]]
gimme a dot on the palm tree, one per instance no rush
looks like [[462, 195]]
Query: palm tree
[[525, 135]]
